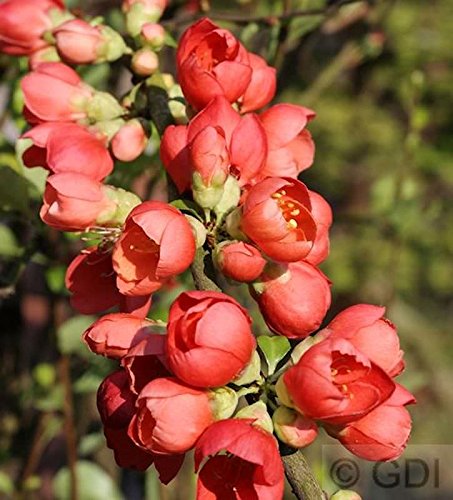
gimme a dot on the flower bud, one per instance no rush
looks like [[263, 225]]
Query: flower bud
[[141, 12], [345, 495], [47, 54], [153, 35], [258, 413], [292, 428], [239, 261], [145, 62], [103, 107], [224, 402], [129, 142], [125, 202]]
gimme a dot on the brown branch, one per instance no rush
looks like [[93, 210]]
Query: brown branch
[[267, 19], [199, 274], [70, 432], [301, 478]]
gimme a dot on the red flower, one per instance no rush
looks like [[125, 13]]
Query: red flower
[[364, 326], [116, 404], [199, 354], [67, 147], [212, 62], [277, 217], [73, 202], [146, 361], [22, 24], [157, 243], [291, 148], [92, 282], [170, 416], [240, 261], [115, 334], [295, 302], [383, 433], [240, 145], [54, 92], [322, 213], [251, 468], [334, 382]]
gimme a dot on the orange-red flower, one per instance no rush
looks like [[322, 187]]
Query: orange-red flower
[[157, 243]]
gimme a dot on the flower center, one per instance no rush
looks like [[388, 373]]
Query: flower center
[[290, 209]]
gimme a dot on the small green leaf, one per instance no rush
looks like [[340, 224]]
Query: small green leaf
[[188, 207], [274, 350], [9, 246], [91, 443], [70, 332], [92, 481], [6, 485]]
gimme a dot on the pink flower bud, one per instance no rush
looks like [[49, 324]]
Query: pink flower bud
[[199, 354], [153, 35], [162, 406], [294, 302], [73, 202], [44, 55], [145, 62], [129, 142], [23, 23], [78, 42], [240, 261]]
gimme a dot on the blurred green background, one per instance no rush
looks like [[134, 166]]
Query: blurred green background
[[379, 75]]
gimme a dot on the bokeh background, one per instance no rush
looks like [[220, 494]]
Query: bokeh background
[[379, 75]]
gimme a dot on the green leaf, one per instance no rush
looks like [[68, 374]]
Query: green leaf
[[9, 246], [13, 190], [88, 382], [92, 481], [91, 443], [274, 350], [189, 207], [55, 277], [69, 335]]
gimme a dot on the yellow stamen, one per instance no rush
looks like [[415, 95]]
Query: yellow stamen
[[295, 212], [292, 223]]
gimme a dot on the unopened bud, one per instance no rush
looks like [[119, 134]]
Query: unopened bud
[[257, 412], [239, 261], [153, 35], [124, 202], [141, 12], [223, 401], [345, 495], [293, 428], [129, 142], [145, 62]]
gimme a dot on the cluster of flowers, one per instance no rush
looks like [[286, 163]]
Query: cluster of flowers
[[197, 383]]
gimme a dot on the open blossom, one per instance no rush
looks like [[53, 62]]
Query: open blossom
[[251, 468], [337, 384], [291, 148], [170, 416], [92, 282], [212, 62], [294, 301], [365, 327], [237, 145], [23, 23], [199, 354], [277, 217], [67, 147], [116, 405], [157, 243], [146, 361], [73, 202], [54, 92], [383, 433]]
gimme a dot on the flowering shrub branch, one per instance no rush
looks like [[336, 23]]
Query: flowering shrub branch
[[205, 380]]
